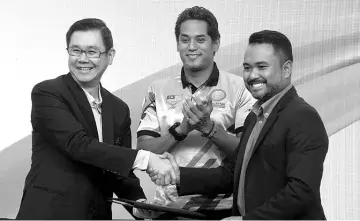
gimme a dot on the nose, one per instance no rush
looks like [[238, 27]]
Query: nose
[[251, 74], [83, 57], [192, 45]]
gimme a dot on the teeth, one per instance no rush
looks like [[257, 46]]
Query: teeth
[[193, 56], [257, 85], [85, 69]]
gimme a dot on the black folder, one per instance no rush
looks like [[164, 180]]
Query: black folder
[[141, 205]]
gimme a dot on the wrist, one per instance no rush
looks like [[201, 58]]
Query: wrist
[[181, 129], [173, 130], [211, 132], [207, 128]]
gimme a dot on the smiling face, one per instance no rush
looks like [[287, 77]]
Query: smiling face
[[265, 74], [195, 46], [88, 71]]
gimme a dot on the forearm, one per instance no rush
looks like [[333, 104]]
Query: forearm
[[226, 142], [156, 145], [205, 181], [128, 188], [110, 157]]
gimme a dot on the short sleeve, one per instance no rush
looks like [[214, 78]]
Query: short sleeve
[[244, 103], [149, 124]]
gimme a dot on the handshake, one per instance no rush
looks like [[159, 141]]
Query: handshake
[[163, 169]]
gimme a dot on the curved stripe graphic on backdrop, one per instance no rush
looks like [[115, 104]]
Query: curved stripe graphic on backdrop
[[325, 69], [325, 74]]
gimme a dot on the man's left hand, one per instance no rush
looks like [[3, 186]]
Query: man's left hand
[[233, 218], [197, 111], [146, 214]]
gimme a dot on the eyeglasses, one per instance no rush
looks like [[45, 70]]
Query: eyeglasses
[[89, 53]]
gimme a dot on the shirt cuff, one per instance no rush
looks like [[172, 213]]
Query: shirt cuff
[[142, 160]]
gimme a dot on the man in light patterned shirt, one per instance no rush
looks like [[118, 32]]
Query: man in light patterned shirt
[[209, 142]]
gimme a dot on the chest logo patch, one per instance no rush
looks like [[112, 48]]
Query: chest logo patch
[[173, 100], [218, 95]]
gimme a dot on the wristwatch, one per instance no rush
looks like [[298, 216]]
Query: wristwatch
[[211, 132], [176, 135]]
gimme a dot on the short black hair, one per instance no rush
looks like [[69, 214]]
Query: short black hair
[[198, 13], [278, 40], [92, 24]]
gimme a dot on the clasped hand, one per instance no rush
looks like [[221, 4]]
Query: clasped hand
[[163, 169], [197, 111]]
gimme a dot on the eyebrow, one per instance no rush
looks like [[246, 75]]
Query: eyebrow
[[262, 62], [197, 36], [257, 63], [87, 47]]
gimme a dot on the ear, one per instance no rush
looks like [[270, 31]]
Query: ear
[[111, 54], [177, 45], [216, 45], [287, 69]]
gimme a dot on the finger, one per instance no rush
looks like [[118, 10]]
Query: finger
[[158, 180], [153, 173], [187, 107], [198, 116], [154, 178], [155, 202], [193, 107], [149, 170], [191, 104], [204, 105], [172, 176], [174, 164], [200, 101], [186, 115], [175, 172], [209, 98], [192, 118], [166, 155], [162, 181], [186, 111], [167, 179], [187, 103]]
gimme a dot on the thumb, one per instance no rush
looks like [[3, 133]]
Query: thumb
[[209, 97], [165, 155], [173, 162]]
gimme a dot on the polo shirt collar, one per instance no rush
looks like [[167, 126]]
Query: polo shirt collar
[[211, 81]]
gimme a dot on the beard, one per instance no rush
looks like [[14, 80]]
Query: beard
[[193, 67], [269, 93]]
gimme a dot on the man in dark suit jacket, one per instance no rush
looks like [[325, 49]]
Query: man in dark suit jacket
[[281, 153], [81, 152]]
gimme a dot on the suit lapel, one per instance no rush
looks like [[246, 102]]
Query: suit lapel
[[84, 105], [107, 113], [268, 124], [274, 116]]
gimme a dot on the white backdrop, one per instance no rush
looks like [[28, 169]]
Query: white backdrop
[[324, 33]]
